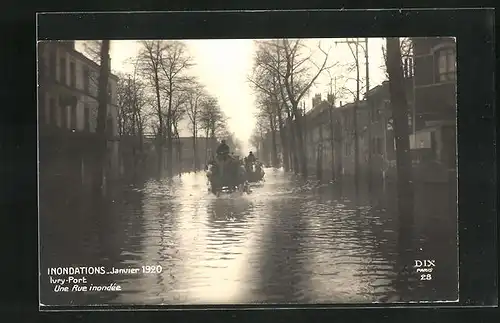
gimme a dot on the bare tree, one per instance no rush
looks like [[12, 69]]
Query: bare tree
[[266, 78], [174, 65], [211, 119], [149, 61], [259, 137], [132, 101], [265, 84], [196, 95], [268, 112], [178, 113], [292, 65]]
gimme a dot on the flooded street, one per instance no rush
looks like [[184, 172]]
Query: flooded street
[[286, 242]]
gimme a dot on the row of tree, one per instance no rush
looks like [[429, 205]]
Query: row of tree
[[283, 73], [159, 94]]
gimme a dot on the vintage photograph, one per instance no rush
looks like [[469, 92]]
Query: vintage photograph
[[247, 171]]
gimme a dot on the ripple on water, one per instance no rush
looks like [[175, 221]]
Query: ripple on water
[[284, 242]]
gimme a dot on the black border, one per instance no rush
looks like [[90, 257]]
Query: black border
[[476, 123]]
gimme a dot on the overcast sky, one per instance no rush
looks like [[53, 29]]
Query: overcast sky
[[224, 65]]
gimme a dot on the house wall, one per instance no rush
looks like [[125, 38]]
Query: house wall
[[61, 119], [435, 98], [85, 100]]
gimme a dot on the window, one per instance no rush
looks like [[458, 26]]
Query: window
[[373, 113], [110, 93], [73, 116], [64, 113], [52, 63], [62, 71], [408, 67], [72, 74], [446, 65], [53, 111], [86, 79], [109, 127], [433, 143], [380, 115], [347, 149], [86, 117]]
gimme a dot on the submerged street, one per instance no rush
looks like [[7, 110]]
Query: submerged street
[[286, 242]]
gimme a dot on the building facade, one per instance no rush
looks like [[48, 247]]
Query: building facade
[[67, 107], [435, 98], [330, 137], [430, 82]]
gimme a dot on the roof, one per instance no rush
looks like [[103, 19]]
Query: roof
[[348, 106], [318, 109], [379, 88], [90, 62]]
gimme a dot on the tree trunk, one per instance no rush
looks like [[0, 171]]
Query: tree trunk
[[338, 134], [100, 151], [319, 161], [356, 148], [332, 145], [159, 141], [401, 131], [134, 137], [399, 106], [178, 151], [292, 147], [274, 153], [302, 163], [170, 155], [285, 155], [195, 152], [284, 143], [206, 146]]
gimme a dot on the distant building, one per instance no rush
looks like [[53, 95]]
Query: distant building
[[330, 137], [67, 100], [184, 150], [184, 153]]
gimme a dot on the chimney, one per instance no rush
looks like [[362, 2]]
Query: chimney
[[331, 99], [316, 100]]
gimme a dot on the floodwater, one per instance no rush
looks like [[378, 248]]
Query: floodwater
[[288, 241]]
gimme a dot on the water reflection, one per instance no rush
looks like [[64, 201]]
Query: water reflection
[[289, 241]]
